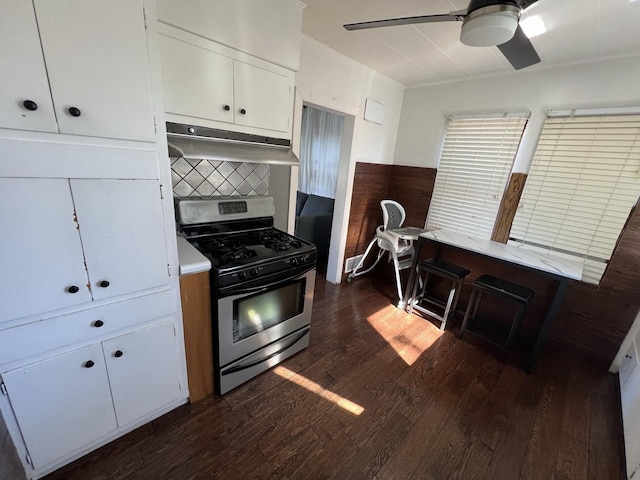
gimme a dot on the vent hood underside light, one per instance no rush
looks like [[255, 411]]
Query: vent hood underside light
[[199, 143]]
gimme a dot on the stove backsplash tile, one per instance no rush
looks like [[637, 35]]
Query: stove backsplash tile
[[204, 178]]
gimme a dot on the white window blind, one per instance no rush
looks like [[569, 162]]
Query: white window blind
[[474, 168], [583, 182]]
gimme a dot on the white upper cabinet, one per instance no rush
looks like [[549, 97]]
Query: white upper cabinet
[[122, 233], [41, 255], [210, 85], [25, 101], [262, 97], [196, 81], [70, 241], [99, 82]]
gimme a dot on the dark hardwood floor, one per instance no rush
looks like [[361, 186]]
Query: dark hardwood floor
[[380, 394]]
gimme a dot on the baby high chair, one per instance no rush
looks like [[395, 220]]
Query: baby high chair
[[399, 248]]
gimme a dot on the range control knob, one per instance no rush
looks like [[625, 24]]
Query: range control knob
[[294, 261], [191, 130], [242, 275], [253, 272]]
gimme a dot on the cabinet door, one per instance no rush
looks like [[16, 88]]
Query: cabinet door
[[196, 82], [24, 77], [41, 254], [122, 230], [264, 96], [143, 371], [62, 403], [96, 57]]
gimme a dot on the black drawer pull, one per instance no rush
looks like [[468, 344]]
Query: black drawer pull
[[98, 323], [89, 364], [74, 111], [73, 289], [118, 353]]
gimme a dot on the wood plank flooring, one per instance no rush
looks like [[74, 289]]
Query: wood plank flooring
[[380, 394]]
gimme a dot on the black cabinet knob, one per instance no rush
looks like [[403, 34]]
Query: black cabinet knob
[[74, 111], [227, 108], [89, 364], [98, 323], [104, 283], [243, 111], [118, 353], [73, 289], [30, 105]]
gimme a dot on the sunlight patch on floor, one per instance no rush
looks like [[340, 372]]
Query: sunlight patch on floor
[[410, 336], [313, 387]]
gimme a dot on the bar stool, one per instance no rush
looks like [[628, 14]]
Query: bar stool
[[502, 288], [454, 273]]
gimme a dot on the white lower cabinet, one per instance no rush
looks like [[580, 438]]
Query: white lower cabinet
[[64, 403], [143, 371], [61, 403]]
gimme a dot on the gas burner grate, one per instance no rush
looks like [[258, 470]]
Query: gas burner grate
[[241, 253], [278, 241]]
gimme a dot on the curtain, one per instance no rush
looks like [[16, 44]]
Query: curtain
[[319, 152]]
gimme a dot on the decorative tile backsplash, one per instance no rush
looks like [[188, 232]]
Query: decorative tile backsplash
[[208, 178]]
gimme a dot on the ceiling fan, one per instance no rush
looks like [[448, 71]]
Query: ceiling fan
[[484, 23]]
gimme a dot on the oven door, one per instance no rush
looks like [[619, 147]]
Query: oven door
[[250, 321]]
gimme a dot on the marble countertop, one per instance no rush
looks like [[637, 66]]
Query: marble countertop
[[190, 259], [563, 267]]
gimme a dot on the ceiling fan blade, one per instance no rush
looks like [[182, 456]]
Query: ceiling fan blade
[[391, 22], [519, 50]]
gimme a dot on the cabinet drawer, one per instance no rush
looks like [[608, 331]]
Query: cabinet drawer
[[52, 333]]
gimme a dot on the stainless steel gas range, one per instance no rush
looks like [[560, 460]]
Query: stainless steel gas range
[[262, 282]]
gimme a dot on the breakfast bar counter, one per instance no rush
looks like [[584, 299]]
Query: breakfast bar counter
[[560, 269]]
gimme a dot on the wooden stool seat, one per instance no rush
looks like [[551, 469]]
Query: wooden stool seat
[[454, 273], [502, 288]]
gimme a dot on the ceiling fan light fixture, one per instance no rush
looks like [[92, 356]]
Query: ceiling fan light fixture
[[490, 26]]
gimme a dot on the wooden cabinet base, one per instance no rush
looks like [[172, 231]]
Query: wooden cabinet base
[[196, 314]]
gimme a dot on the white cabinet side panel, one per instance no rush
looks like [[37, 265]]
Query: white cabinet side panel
[[631, 420], [41, 255], [104, 75], [145, 376], [60, 404], [23, 73], [121, 226]]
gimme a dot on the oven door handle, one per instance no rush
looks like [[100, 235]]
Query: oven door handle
[[257, 288], [244, 366]]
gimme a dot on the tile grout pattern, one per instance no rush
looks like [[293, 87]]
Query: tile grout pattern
[[207, 178]]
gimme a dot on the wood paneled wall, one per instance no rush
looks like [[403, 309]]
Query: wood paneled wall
[[592, 321], [508, 207], [410, 186]]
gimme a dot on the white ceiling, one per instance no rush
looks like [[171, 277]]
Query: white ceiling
[[577, 31]]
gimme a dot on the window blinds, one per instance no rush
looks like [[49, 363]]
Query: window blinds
[[474, 168], [583, 182]]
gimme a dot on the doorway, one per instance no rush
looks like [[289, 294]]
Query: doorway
[[320, 154]]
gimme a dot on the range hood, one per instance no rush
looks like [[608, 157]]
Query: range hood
[[193, 142]]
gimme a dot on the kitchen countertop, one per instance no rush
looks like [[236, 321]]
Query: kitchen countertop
[[556, 265], [191, 260]]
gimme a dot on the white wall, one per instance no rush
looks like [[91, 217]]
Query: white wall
[[330, 80], [611, 83], [269, 30]]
